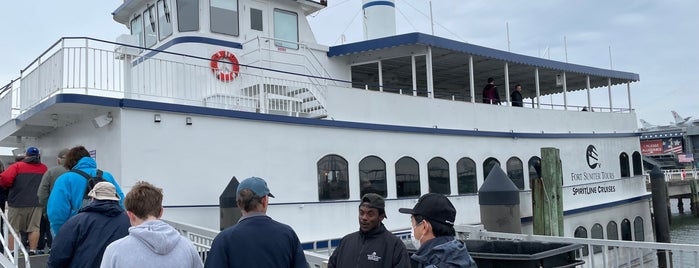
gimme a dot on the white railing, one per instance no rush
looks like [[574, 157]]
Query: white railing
[[201, 237], [93, 67], [10, 258]]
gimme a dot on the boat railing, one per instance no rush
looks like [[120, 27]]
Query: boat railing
[[93, 67], [10, 258]]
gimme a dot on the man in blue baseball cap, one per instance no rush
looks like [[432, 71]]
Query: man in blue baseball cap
[[256, 240]]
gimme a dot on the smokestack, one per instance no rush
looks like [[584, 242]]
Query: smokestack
[[379, 18]]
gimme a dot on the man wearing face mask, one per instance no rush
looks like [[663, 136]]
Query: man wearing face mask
[[372, 245], [433, 233]]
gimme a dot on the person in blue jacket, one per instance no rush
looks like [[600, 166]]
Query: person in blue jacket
[[67, 195], [84, 238]]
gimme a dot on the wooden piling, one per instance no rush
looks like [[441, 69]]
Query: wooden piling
[[694, 198], [547, 198]]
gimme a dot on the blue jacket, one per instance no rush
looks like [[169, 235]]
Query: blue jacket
[[67, 194], [443, 251], [256, 241], [83, 238]]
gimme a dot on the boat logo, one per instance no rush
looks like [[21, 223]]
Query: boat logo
[[373, 257], [591, 157]]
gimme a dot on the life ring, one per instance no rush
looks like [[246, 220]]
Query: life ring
[[225, 76]]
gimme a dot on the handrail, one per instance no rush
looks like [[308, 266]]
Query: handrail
[[14, 258]]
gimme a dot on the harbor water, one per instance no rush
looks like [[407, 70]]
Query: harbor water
[[684, 229]]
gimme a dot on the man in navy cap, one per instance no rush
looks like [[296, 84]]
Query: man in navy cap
[[433, 233], [24, 212], [372, 245], [256, 240]]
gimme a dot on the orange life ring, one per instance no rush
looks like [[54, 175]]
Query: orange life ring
[[225, 76]]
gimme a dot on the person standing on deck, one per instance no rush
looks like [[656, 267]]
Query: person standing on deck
[[151, 242], [490, 92], [372, 245], [45, 187], [432, 220], [516, 96], [24, 213], [66, 197], [83, 238], [256, 240]]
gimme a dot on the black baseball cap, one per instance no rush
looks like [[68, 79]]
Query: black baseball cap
[[434, 207]]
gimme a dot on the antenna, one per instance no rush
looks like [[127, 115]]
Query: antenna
[[565, 45], [431, 19], [611, 66], [507, 25]]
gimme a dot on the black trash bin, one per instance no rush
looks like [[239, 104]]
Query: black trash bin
[[522, 254]]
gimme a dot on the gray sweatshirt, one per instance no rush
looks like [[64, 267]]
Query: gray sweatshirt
[[152, 244]]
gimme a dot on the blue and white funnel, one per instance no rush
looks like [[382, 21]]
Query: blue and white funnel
[[379, 18]]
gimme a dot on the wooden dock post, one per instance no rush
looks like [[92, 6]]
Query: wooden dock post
[[547, 197], [660, 213], [694, 197]]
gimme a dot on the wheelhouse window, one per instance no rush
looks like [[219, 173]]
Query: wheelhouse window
[[624, 165], [150, 32], [286, 29], [597, 232], [332, 178], [438, 176], [637, 164], [188, 15], [626, 230], [638, 229], [256, 19], [488, 165], [372, 176], [164, 19], [534, 170], [407, 177], [516, 172], [137, 29], [581, 232], [224, 17], [466, 172]]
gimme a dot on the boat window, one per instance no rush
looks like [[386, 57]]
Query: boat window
[[137, 29], [638, 232], [372, 176], [407, 177], [597, 232], [516, 172], [286, 29], [365, 76], [488, 165], [612, 232], [626, 230], [164, 19], [534, 170], [149, 31], [224, 17], [581, 232], [637, 164], [256, 19], [438, 176], [466, 172], [332, 178], [188, 15], [624, 165]]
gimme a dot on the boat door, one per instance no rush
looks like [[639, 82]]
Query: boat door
[[257, 23]]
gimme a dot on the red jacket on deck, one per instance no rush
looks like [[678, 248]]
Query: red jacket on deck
[[23, 179]]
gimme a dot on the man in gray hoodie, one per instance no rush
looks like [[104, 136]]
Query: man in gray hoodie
[[151, 242]]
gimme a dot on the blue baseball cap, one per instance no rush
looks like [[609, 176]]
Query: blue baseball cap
[[31, 151], [256, 185]]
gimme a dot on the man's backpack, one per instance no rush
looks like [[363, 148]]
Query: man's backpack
[[91, 182]]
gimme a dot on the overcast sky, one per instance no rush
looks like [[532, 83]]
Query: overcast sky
[[659, 40]]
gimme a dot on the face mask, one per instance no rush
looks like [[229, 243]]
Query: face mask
[[414, 239]]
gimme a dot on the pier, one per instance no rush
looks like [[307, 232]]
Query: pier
[[681, 183]]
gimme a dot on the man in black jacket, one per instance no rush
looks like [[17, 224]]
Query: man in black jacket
[[516, 96], [372, 245]]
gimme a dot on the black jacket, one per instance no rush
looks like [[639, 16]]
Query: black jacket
[[376, 248], [516, 98]]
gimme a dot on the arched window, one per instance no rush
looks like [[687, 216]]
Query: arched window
[[581, 232], [612, 232], [488, 165], [624, 165], [372, 176], [626, 230], [466, 172], [407, 177], [597, 232], [638, 229], [332, 178], [438, 176], [534, 170], [516, 172], [637, 163]]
